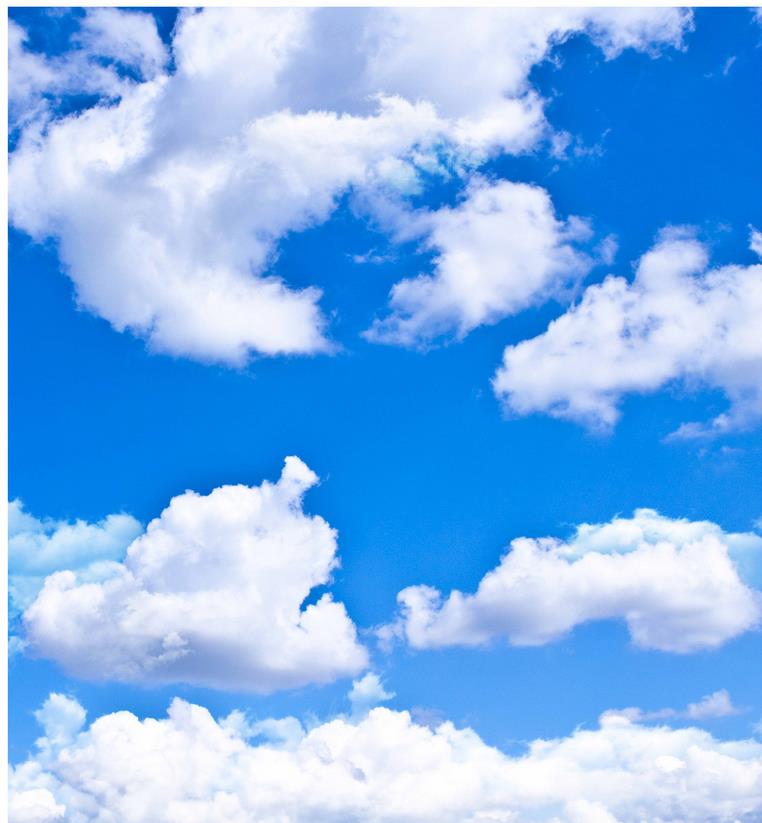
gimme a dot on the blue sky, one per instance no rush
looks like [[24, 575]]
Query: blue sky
[[424, 473]]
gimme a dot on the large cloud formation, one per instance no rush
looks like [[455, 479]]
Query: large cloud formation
[[169, 197], [382, 767], [677, 322], [211, 594], [679, 585]]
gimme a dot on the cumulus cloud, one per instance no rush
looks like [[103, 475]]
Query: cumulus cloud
[[168, 204], [212, 594], [38, 547], [711, 706], [677, 322], [679, 585], [499, 251], [383, 767]]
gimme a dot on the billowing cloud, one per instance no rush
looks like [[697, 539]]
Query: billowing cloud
[[38, 547], [499, 251], [211, 594], [679, 585], [384, 768], [168, 204], [677, 322]]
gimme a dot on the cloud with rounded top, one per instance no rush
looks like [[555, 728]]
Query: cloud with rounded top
[[211, 594]]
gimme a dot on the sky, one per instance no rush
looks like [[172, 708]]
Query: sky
[[439, 331]]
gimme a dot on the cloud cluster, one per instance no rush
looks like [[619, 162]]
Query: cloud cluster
[[168, 202], [679, 585], [36, 548], [677, 322], [212, 594], [383, 767], [499, 251]]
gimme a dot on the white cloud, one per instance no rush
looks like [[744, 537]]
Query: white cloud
[[109, 42], [717, 704], [678, 321], [366, 693], [499, 251], [386, 768], [211, 594], [755, 241], [169, 204], [38, 547], [679, 585]]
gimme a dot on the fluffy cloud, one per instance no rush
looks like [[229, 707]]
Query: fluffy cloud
[[497, 252], [168, 205], [211, 594], [110, 47], [679, 585], [384, 767], [717, 704], [38, 547], [678, 321]]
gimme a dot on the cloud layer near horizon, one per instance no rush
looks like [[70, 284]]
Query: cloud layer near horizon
[[383, 767], [212, 594]]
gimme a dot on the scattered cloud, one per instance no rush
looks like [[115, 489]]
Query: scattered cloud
[[678, 321], [711, 706], [181, 249], [679, 585], [366, 693], [212, 595], [385, 767], [499, 251]]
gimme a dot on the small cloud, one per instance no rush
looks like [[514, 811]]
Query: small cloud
[[755, 241], [711, 706], [366, 693], [728, 65], [370, 257]]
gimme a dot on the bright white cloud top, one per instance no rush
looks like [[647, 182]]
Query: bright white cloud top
[[212, 595], [384, 767], [679, 585], [679, 321], [168, 204]]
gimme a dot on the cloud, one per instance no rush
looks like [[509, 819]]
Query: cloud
[[383, 767], [679, 585], [366, 693], [112, 50], [677, 322], [499, 251], [711, 706], [38, 547], [168, 204], [755, 241], [212, 594]]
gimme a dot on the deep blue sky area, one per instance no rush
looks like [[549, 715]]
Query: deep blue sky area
[[421, 473]]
